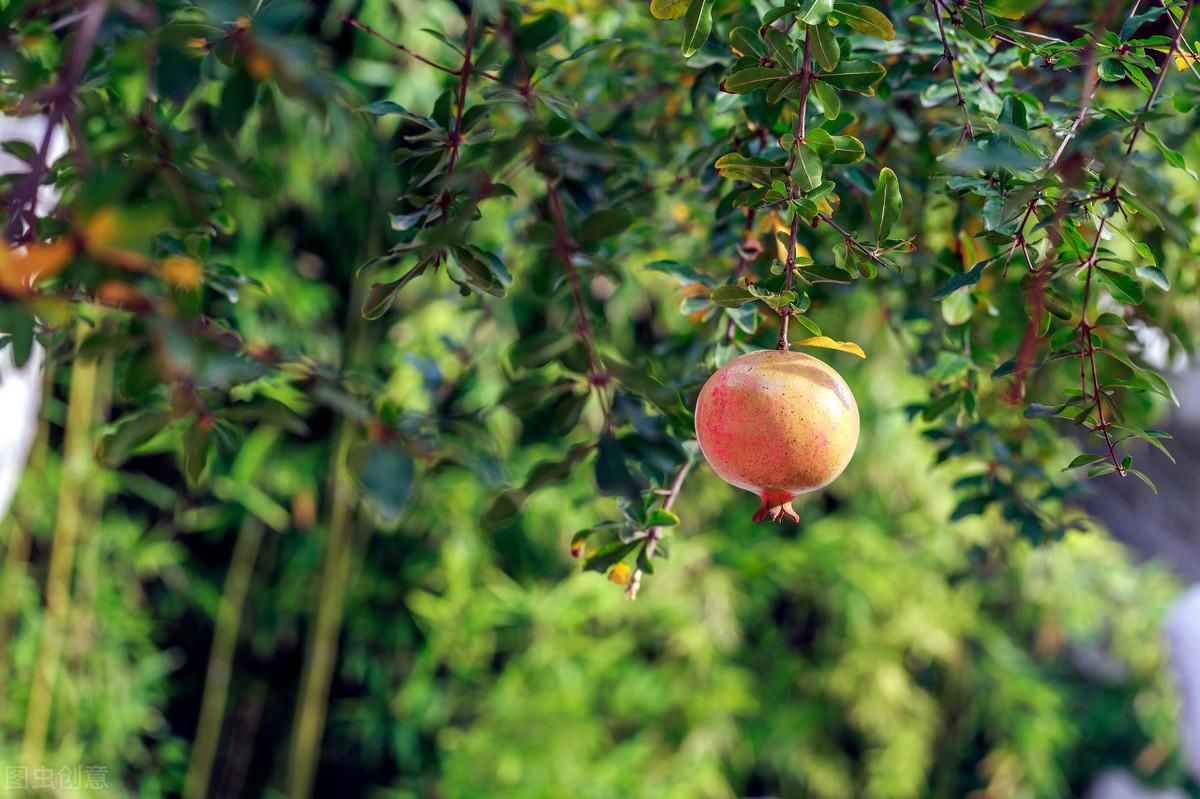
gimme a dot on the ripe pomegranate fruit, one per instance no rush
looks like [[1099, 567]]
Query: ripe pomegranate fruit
[[777, 423]]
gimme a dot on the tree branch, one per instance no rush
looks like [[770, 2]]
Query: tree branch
[[367, 29], [1086, 349], [746, 252], [950, 58], [23, 200], [789, 268], [654, 534]]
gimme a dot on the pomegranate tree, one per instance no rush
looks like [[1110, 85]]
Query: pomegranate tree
[[778, 423]]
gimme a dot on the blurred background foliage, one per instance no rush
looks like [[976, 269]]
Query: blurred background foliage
[[267, 547]]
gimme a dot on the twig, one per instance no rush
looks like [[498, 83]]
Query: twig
[[654, 534], [789, 268], [747, 249], [1191, 62], [61, 94], [367, 29], [1086, 349], [598, 379], [464, 79], [950, 58], [851, 241]]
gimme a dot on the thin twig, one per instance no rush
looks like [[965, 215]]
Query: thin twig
[[598, 379], [747, 249], [24, 196], [367, 29], [950, 58], [789, 268], [851, 241], [455, 140], [1086, 349], [654, 534], [1191, 62]]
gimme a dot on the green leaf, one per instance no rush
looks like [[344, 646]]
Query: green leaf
[[855, 76], [807, 172], [865, 19], [731, 296], [1137, 76], [736, 166], [697, 26], [747, 42], [831, 104], [197, 446], [669, 9], [835, 149], [1142, 475], [1086, 459], [885, 204], [661, 518], [940, 405], [603, 223], [747, 80], [609, 555], [814, 12], [131, 432], [1122, 287], [685, 274], [961, 279], [825, 47], [948, 366], [782, 49], [1155, 276]]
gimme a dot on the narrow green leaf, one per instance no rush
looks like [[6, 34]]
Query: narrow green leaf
[[885, 204], [824, 46], [697, 26], [831, 104]]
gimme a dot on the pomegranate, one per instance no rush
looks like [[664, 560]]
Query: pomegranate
[[777, 423]]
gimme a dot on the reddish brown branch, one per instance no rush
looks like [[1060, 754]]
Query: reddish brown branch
[[1086, 349], [950, 58], [654, 534], [747, 249], [565, 247], [23, 200], [367, 29]]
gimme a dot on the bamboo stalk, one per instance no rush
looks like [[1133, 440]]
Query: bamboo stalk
[[77, 460], [81, 618], [220, 660], [321, 658]]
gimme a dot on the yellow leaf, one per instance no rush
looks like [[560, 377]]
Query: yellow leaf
[[830, 344], [20, 269], [619, 574], [182, 272], [786, 228], [100, 229], [669, 9]]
